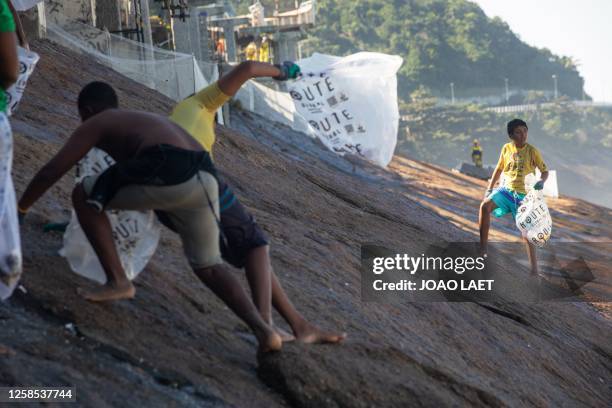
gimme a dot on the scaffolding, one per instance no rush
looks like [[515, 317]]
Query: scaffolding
[[282, 30]]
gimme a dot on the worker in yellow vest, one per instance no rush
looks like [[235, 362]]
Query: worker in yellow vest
[[264, 50], [251, 51], [477, 154]]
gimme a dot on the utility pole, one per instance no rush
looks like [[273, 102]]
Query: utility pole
[[452, 86], [506, 83], [554, 77]]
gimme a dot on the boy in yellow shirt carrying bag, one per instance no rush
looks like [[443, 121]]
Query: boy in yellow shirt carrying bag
[[517, 159]]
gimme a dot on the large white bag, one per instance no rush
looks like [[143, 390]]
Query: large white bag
[[27, 62], [533, 218], [136, 233], [350, 103], [10, 246]]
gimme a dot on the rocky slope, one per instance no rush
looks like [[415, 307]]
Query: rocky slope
[[175, 344]]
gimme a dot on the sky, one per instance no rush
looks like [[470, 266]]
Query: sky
[[575, 28]]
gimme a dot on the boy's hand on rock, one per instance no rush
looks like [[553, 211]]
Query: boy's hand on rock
[[539, 185], [289, 70]]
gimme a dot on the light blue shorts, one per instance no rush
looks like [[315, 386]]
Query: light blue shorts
[[506, 200]]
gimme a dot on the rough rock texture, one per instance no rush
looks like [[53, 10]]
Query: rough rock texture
[[175, 344]]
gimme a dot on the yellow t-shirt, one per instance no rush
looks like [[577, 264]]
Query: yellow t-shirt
[[517, 163], [196, 114]]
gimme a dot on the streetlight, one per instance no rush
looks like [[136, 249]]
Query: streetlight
[[506, 82], [452, 85], [554, 77]]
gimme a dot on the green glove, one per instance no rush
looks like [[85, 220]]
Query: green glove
[[289, 70], [539, 185], [56, 226]]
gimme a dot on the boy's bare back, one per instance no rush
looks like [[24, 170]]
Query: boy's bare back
[[123, 134]]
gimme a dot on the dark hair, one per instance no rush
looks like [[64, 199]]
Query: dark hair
[[98, 96], [513, 124]]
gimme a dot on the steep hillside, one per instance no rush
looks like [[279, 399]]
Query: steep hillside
[[175, 344]]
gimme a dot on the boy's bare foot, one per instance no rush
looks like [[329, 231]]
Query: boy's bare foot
[[311, 334], [536, 274], [110, 291], [269, 341], [285, 336]]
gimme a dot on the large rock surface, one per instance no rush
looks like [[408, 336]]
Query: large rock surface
[[175, 344], [483, 173]]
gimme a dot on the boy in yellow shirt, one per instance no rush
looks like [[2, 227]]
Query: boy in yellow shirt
[[243, 243], [517, 159]]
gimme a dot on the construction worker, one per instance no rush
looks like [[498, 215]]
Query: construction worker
[[221, 48], [251, 51], [264, 50], [477, 154]]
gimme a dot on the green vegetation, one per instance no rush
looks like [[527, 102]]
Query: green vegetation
[[441, 41]]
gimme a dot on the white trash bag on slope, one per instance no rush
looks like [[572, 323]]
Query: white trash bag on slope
[[27, 62], [10, 246], [533, 218], [136, 233], [350, 103]]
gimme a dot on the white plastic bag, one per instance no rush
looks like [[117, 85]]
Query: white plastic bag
[[350, 103], [27, 62], [533, 218], [136, 233], [10, 246]]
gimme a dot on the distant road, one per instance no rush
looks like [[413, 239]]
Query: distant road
[[536, 106]]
